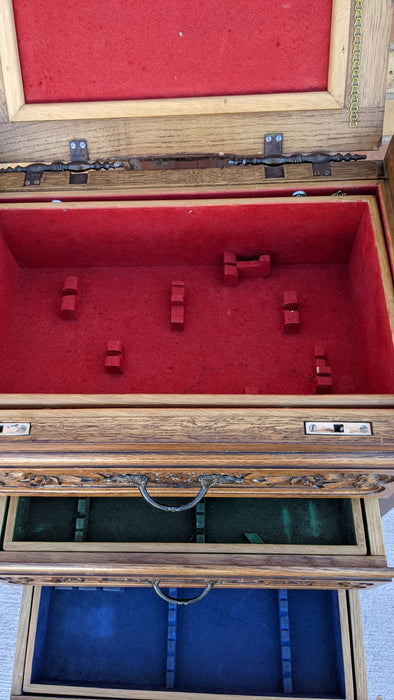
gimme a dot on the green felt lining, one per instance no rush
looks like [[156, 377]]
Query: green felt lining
[[227, 520]]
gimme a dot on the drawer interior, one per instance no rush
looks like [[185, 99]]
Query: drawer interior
[[220, 524], [233, 642], [127, 255]]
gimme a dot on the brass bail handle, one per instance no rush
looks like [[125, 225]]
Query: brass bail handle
[[206, 481], [182, 601]]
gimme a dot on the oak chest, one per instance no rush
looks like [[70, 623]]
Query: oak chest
[[197, 309]]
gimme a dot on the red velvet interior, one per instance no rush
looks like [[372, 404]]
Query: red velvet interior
[[126, 258], [124, 49]]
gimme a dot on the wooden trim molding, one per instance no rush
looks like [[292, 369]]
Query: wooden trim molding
[[332, 98], [3, 510], [21, 641], [358, 646]]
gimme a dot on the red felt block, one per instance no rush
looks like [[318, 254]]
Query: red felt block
[[177, 318], [323, 370], [290, 301], [70, 285], [178, 293], [229, 258], [323, 385], [251, 390], [249, 268], [230, 275], [115, 347], [68, 307], [253, 269], [320, 351], [291, 321], [114, 364]]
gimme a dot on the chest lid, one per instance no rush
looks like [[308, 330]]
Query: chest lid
[[149, 78]]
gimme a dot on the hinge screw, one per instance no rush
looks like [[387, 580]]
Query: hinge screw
[[268, 139], [73, 144], [364, 428], [312, 427], [278, 137], [27, 182], [82, 144]]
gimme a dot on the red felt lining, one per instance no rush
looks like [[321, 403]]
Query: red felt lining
[[192, 233], [374, 369], [126, 259], [124, 49]]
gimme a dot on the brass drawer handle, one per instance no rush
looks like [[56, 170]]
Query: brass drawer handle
[[206, 481], [181, 601]]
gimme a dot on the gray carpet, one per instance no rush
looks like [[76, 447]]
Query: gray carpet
[[378, 621]]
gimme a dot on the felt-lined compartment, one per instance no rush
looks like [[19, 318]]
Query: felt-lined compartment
[[129, 50], [126, 257], [121, 523], [232, 642]]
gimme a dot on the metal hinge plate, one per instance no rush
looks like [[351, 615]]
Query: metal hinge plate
[[337, 428], [78, 153], [17, 429]]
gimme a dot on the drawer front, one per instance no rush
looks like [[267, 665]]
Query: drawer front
[[233, 643], [180, 451], [243, 451], [327, 543]]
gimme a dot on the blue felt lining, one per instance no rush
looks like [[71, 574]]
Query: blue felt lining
[[101, 637], [227, 643], [316, 645]]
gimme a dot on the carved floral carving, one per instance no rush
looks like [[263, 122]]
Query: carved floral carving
[[366, 483], [329, 482], [96, 580]]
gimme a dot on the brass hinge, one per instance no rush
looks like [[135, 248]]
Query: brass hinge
[[34, 171], [273, 162]]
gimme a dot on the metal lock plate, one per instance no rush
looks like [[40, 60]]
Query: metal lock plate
[[337, 428], [16, 429]]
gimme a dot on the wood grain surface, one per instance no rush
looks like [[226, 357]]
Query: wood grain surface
[[128, 569]]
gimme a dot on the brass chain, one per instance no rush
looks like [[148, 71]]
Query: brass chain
[[356, 62]]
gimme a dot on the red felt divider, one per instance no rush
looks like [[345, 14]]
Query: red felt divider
[[126, 259], [128, 49]]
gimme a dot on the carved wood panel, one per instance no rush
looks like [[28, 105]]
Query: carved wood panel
[[97, 580], [310, 483]]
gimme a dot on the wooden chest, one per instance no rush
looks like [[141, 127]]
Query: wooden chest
[[189, 314]]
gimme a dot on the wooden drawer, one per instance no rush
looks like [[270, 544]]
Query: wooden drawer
[[235, 643], [334, 543], [221, 525]]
